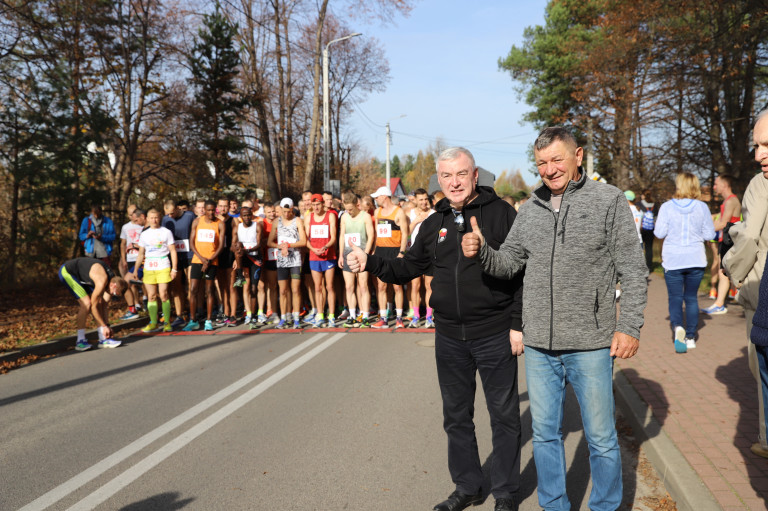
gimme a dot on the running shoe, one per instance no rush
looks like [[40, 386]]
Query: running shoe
[[310, 318], [261, 319], [317, 323], [281, 324], [178, 322], [253, 325], [239, 282], [83, 345], [429, 322], [248, 319], [192, 325], [399, 323], [714, 310], [128, 315], [109, 343], [151, 327], [680, 345], [168, 328], [231, 322], [381, 323], [221, 320], [690, 343], [296, 323], [208, 325], [414, 323], [713, 294], [331, 322], [344, 315], [365, 322], [350, 322]]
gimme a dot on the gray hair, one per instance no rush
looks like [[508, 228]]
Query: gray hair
[[762, 114], [452, 153], [553, 134]]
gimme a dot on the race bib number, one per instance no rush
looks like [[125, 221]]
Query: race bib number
[[384, 230], [131, 255], [272, 254], [157, 264], [319, 232], [285, 239], [182, 245], [354, 238], [250, 246], [206, 235]]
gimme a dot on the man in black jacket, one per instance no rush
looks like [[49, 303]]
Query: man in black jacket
[[478, 328]]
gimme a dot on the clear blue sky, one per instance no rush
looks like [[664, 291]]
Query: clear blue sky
[[444, 76]]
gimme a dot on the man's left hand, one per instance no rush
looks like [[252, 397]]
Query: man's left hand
[[624, 345]]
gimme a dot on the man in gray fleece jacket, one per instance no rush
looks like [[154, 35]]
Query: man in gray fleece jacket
[[576, 239]]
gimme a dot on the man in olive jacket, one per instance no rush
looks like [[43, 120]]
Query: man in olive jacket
[[576, 239]]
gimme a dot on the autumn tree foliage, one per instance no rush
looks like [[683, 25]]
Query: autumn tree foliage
[[662, 86]]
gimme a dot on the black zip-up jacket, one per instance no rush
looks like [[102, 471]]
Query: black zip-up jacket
[[468, 303]]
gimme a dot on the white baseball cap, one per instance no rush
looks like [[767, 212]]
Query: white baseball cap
[[383, 190], [287, 202]]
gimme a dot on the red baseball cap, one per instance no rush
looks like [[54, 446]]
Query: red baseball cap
[[316, 197]]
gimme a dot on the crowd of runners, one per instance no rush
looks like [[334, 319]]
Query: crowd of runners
[[219, 264]]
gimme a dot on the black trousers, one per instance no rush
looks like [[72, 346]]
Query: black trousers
[[457, 364], [648, 238]]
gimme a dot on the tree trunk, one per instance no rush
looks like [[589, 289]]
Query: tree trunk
[[309, 172]]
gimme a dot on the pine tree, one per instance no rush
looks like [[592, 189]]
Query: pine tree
[[214, 64]]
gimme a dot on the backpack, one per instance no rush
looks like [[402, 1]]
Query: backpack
[[648, 222]]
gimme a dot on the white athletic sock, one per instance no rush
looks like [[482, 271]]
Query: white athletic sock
[[352, 311], [81, 334], [100, 330], [399, 313], [382, 313], [365, 315]]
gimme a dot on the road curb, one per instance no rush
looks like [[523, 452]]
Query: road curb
[[62, 344], [681, 481]]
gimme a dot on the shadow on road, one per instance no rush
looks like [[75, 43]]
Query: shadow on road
[[105, 374], [163, 502], [742, 389]]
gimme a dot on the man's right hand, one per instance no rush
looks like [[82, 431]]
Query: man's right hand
[[356, 259], [472, 241]]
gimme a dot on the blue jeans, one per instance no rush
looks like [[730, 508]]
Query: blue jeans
[[683, 286], [590, 373]]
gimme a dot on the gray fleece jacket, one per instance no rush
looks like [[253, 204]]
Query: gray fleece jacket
[[573, 260]]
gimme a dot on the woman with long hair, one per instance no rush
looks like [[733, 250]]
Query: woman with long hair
[[685, 225]]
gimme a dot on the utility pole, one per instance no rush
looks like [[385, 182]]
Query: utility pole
[[326, 108], [389, 141]]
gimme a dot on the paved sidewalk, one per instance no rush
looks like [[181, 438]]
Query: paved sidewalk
[[704, 403]]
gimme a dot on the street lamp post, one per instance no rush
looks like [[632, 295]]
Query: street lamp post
[[326, 116], [389, 140]]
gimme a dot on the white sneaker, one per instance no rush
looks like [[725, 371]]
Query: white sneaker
[[690, 343], [109, 343]]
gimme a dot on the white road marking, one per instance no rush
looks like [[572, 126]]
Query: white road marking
[[64, 489], [145, 465]]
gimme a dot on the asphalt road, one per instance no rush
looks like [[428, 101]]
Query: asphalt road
[[233, 421]]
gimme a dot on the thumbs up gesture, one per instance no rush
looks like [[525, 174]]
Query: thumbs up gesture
[[356, 259], [472, 241]]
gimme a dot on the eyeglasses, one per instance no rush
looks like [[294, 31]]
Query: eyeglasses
[[458, 220]]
